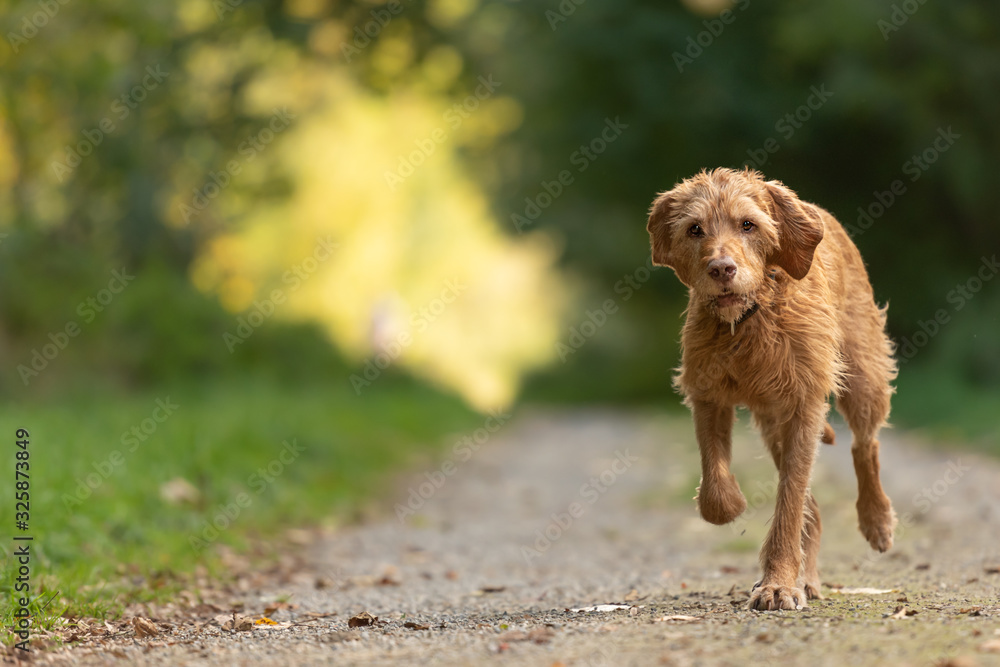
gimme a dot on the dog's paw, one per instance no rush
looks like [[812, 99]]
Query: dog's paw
[[720, 501], [812, 589], [877, 522], [772, 597]]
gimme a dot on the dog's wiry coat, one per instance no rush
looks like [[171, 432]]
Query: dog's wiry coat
[[736, 241]]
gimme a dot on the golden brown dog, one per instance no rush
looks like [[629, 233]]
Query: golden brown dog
[[781, 315]]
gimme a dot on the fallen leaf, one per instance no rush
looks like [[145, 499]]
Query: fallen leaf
[[277, 606], [221, 620], [541, 635], [144, 628], [861, 591], [601, 608], [972, 611], [260, 624], [416, 626], [390, 577], [902, 612], [992, 646], [179, 491], [238, 624], [362, 620], [992, 569]]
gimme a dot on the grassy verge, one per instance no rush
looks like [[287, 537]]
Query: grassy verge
[[260, 457], [948, 409]]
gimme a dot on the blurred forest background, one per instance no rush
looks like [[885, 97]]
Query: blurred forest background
[[351, 222], [209, 147]]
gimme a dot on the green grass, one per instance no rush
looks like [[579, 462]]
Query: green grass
[[949, 410], [97, 548]]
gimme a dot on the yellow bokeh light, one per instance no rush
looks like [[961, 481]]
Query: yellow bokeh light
[[447, 13], [421, 272]]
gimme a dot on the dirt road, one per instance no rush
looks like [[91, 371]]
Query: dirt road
[[560, 512]]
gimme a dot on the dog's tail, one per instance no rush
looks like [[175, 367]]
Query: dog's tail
[[828, 436]]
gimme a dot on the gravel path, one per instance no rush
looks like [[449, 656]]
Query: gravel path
[[560, 512]]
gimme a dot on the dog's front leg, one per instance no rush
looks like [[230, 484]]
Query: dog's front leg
[[719, 497], [781, 555]]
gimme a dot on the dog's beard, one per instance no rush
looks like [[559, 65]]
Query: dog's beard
[[729, 306]]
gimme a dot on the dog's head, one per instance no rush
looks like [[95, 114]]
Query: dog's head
[[723, 231]]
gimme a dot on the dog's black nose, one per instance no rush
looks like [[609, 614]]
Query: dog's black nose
[[722, 269]]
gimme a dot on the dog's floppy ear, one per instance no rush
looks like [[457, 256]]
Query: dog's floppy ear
[[659, 230], [799, 231]]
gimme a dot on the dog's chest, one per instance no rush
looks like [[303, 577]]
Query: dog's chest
[[739, 370]]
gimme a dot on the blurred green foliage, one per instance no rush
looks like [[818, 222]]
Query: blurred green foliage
[[687, 89]]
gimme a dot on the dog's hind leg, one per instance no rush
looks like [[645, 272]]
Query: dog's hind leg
[[864, 403]]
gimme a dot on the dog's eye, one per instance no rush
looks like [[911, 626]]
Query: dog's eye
[[748, 226], [696, 231]]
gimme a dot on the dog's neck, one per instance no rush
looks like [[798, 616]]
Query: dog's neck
[[747, 314]]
